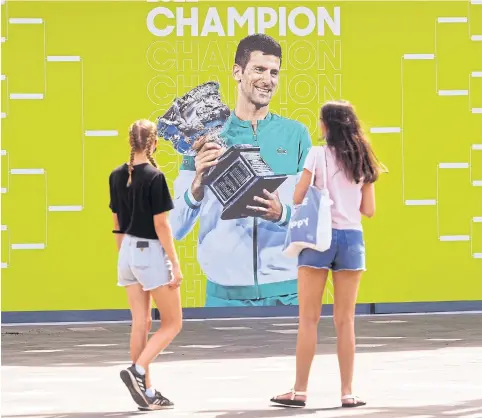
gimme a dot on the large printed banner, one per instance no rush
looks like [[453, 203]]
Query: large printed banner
[[76, 74]]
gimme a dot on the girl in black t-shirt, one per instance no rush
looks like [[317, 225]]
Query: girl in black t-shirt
[[147, 264]]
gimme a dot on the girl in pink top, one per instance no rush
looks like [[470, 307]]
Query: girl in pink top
[[352, 170]]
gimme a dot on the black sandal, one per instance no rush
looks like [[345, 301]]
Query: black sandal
[[356, 401], [292, 402]]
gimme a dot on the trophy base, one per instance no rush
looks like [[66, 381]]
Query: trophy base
[[236, 209], [239, 176]]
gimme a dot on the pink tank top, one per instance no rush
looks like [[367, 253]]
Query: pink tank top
[[346, 194]]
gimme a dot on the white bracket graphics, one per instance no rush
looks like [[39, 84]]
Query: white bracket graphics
[[444, 94], [40, 95]]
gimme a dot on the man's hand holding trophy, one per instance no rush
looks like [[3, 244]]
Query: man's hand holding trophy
[[236, 174], [207, 155]]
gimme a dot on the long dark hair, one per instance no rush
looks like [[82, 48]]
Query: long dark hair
[[352, 149]]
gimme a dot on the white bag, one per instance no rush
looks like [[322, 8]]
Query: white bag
[[310, 225]]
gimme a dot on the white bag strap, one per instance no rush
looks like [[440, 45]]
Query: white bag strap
[[313, 170], [325, 163], [323, 157]]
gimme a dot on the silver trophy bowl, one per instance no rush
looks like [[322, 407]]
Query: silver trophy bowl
[[200, 112]]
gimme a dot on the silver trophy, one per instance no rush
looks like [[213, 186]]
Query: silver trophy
[[241, 173], [200, 112]]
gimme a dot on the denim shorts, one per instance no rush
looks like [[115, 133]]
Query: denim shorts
[[143, 261], [347, 252]]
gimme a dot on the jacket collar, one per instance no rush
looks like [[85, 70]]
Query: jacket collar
[[247, 123]]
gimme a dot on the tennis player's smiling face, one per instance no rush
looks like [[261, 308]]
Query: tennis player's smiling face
[[259, 80]]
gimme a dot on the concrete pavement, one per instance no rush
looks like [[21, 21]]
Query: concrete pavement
[[420, 366]]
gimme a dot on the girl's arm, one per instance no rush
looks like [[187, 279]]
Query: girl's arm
[[302, 187], [164, 233], [118, 237], [367, 207]]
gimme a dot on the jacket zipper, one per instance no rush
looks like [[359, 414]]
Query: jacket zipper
[[255, 235]]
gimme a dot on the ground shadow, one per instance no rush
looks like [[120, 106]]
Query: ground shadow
[[471, 408], [108, 344], [120, 414]]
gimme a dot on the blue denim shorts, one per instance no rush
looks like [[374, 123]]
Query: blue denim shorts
[[347, 252]]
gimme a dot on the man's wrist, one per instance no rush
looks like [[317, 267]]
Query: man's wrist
[[196, 191], [194, 195], [285, 215]]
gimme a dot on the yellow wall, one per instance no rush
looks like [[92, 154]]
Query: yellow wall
[[126, 73]]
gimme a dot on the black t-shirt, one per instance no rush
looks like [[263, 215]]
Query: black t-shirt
[[148, 195]]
